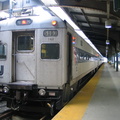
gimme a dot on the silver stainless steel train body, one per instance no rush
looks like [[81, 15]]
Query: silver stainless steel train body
[[42, 59]]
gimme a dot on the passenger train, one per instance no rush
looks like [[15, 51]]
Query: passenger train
[[42, 62]]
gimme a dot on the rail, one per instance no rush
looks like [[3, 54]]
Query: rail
[[6, 115]]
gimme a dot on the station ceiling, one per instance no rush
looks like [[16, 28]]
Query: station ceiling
[[90, 17]]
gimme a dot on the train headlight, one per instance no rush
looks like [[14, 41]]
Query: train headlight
[[5, 89], [42, 92], [54, 22]]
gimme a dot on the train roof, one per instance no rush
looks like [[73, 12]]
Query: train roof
[[34, 23]]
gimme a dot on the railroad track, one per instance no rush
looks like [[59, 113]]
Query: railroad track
[[7, 115], [5, 112], [29, 116], [15, 117]]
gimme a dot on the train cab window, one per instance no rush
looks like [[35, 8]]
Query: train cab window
[[25, 43], [50, 51], [2, 51]]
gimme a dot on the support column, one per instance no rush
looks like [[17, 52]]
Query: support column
[[117, 62], [114, 61]]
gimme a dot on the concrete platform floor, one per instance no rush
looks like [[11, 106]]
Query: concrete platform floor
[[98, 100], [105, 102]]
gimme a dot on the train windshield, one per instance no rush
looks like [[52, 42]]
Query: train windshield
[[50, 51], [2, 51], [25, 43]]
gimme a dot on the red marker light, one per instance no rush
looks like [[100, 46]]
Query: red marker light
[[74, 38], [24, 22]]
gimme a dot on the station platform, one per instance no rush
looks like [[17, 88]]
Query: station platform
[[98, 100]]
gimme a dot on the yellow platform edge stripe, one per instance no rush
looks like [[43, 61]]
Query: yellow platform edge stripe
[[76, 108]]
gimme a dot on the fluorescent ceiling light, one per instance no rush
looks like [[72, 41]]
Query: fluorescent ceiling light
[[108, 24], [107, 42]]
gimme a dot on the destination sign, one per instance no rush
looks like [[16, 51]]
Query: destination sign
[[50, 33]]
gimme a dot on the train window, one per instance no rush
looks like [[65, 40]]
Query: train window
[[25, 43], [50, 51], [2, 51]]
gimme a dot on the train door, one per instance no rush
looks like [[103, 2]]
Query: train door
[[69, 66], [24, 60]]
